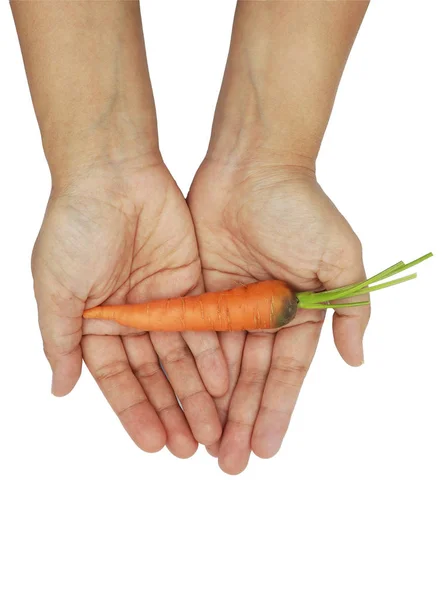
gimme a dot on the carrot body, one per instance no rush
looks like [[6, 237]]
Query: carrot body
[[263, 305]]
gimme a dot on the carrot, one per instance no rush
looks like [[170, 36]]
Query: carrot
[[264, 305]]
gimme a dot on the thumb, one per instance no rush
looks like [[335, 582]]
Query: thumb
[[60, 320], [349, 324]]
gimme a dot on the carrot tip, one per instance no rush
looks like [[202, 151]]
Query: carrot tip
[[93, 313]]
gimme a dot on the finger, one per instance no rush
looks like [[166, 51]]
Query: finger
[[292, 355], [102, 327], [349, 324], [208, 355], [235, 446], [106, 359], [204, 346], [232, 344], [60, 321], [182, 373], [209, 360], [145, 365]]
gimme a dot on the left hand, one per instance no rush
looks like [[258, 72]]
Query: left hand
[[259, 220]]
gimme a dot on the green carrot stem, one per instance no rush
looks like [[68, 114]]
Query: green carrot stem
[[355, 286], [374, 288], [343, 305], [342, 292], [386, 284], [321, 300]]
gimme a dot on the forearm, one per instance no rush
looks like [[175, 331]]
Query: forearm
[[89, 82], [285, 63]]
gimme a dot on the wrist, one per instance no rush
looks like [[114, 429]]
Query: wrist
[[88, 75], [241, 135], [284, 67], [112, 135], [253, 122]]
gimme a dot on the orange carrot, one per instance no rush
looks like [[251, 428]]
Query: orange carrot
[[263, 305]]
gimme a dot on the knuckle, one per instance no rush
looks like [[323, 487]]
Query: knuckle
[[111, 370], [194, 397], [278, 410], [240, 421], [58, 348], [288, 370], [252, 376], [127, 409], [207, 352], [167, 408], [176, 354], [343, 254], [289, 364], [147, 370]]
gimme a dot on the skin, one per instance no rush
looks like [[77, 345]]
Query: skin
[[117, 229], [260, 213]]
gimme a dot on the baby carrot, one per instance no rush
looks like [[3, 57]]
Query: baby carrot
[[263, 305]]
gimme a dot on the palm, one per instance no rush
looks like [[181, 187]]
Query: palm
[[129, 239], [266, 223]]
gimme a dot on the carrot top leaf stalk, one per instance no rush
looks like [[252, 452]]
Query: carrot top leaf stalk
[[323, 300]]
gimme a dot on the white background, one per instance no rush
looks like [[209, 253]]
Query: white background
[[351, 507]]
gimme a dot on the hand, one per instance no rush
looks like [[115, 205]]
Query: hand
[[121, 234], [256, 221]]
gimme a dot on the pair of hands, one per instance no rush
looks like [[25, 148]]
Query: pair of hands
[[123, 232]]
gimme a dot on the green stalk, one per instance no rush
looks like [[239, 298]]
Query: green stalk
[[322, 300]]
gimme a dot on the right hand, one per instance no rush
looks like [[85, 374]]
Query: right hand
[[124, 234]]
